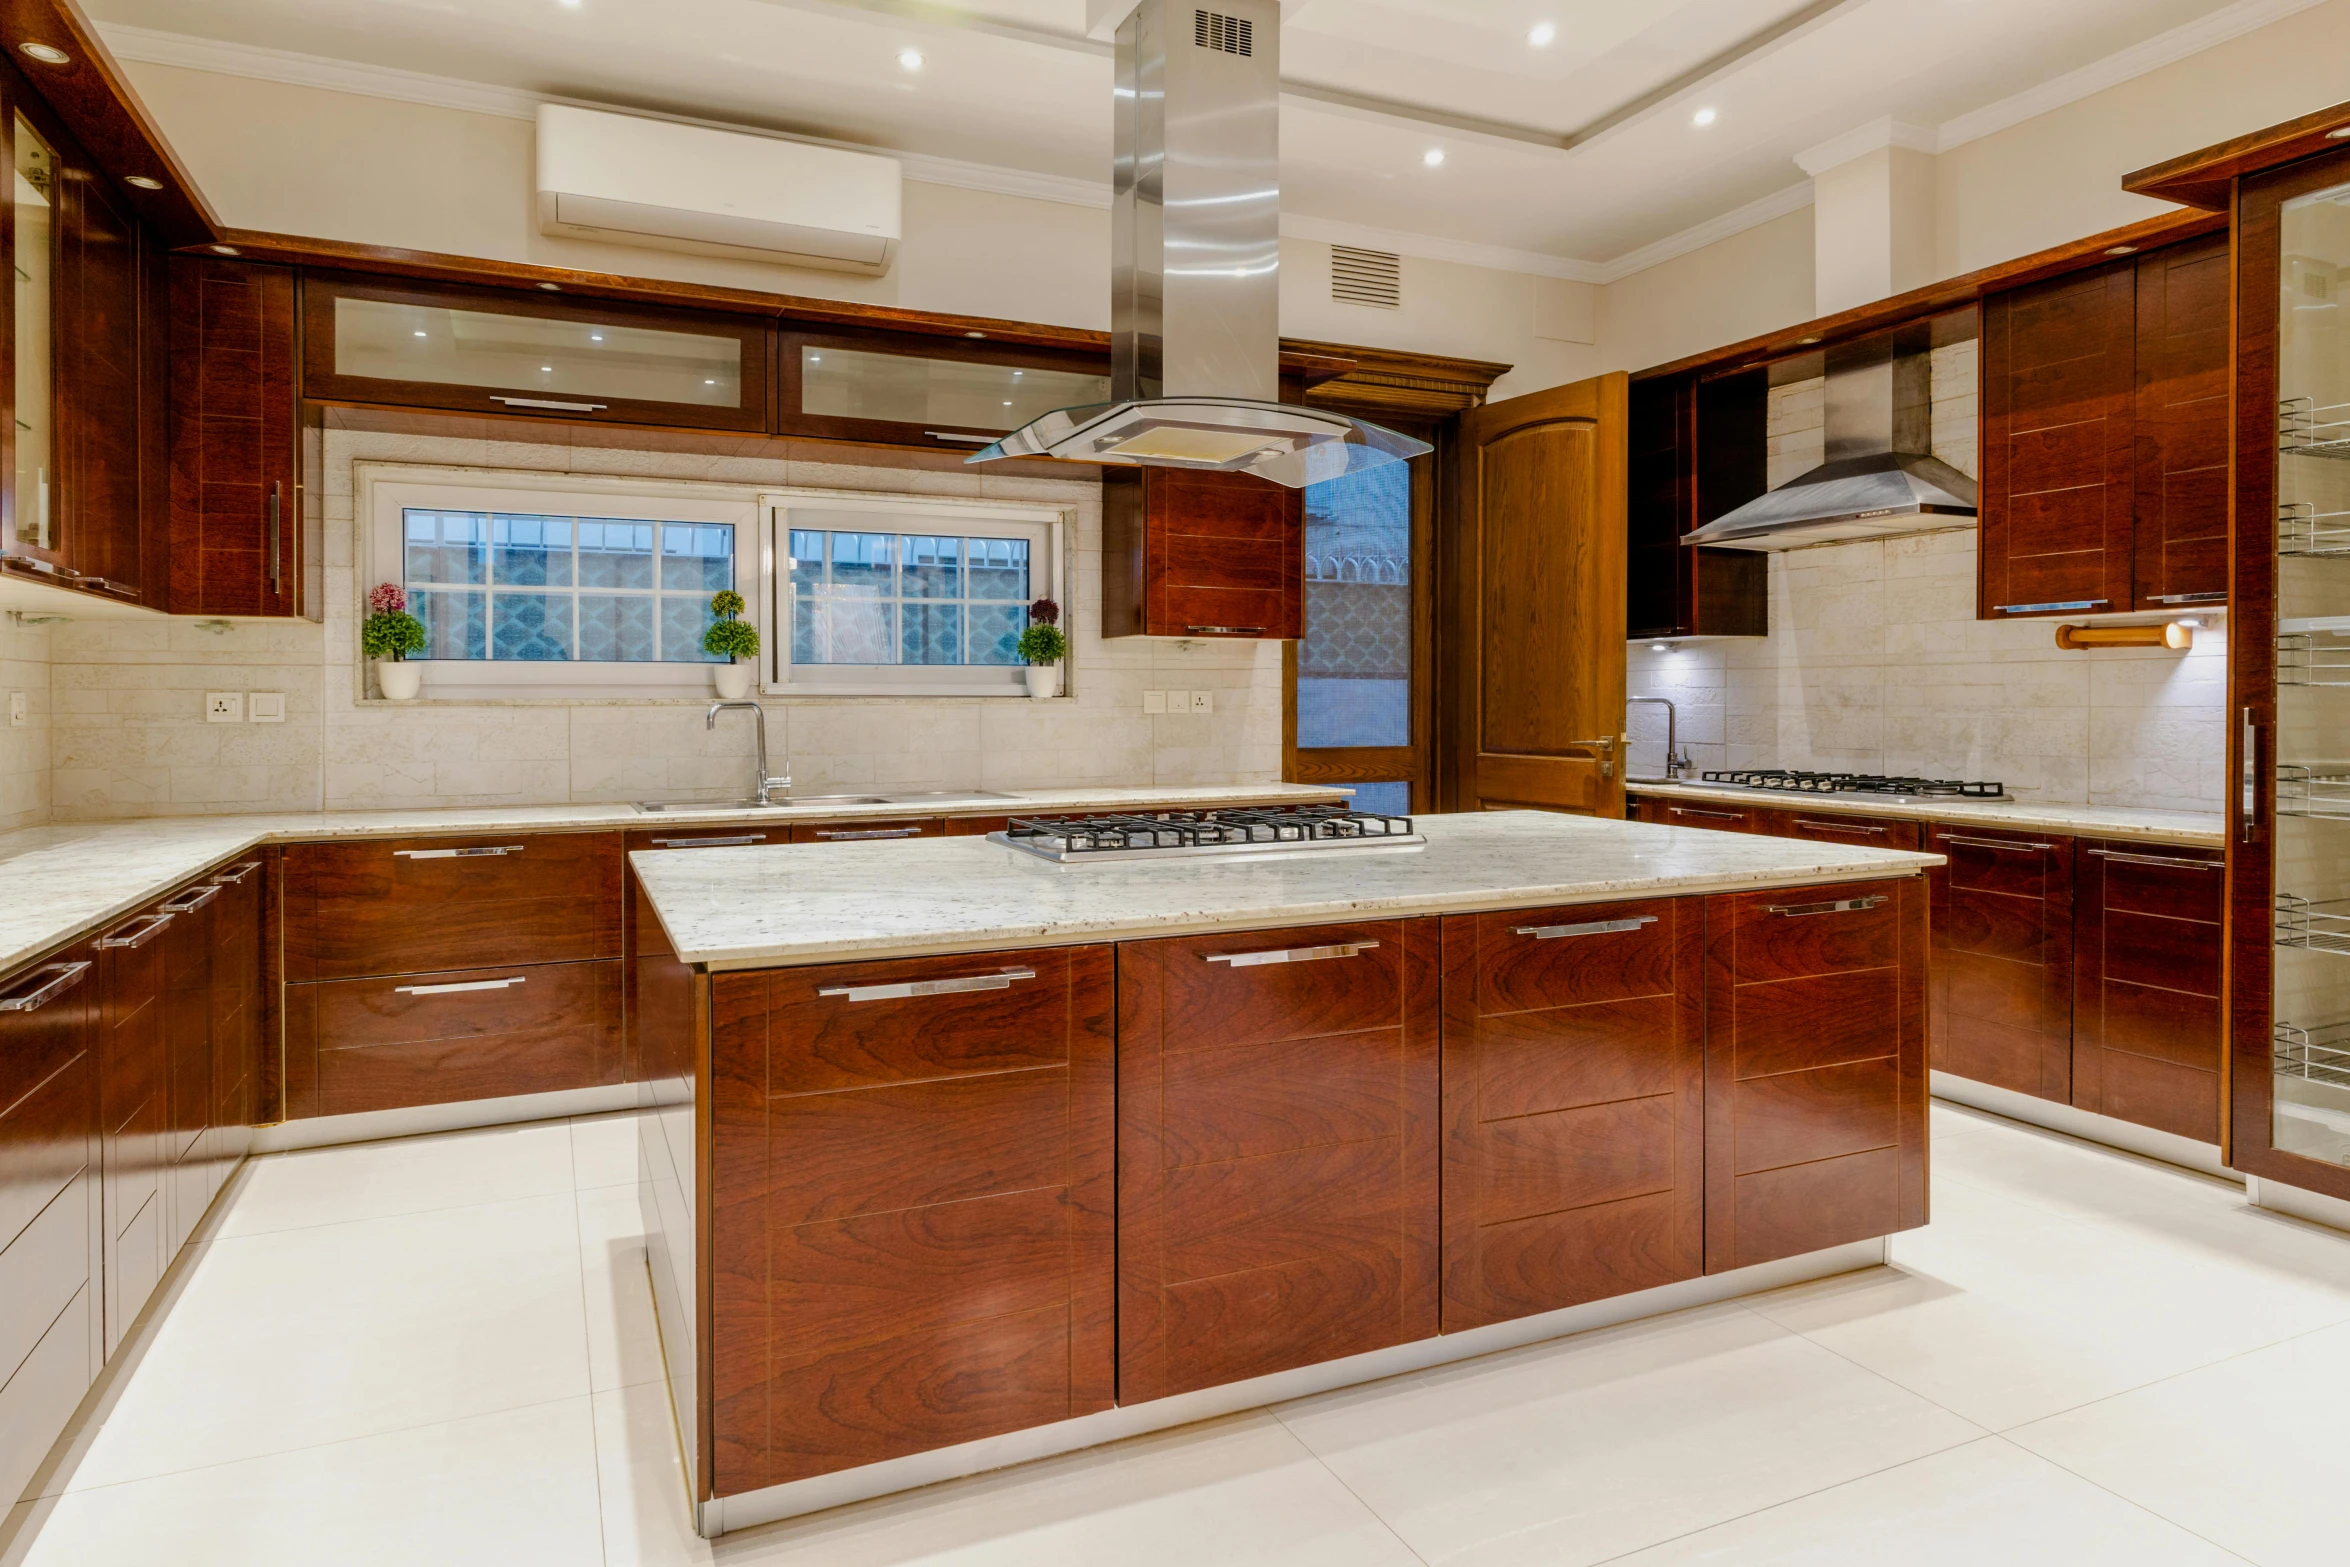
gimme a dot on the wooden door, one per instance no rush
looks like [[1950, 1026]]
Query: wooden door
[[2003, 959], [2181, 425], [1574, 1105], [1277, 1150], [2146, 948], [235, 539], [1537, 642]]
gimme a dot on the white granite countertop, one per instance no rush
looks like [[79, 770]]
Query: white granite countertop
[[765, 907], [2198, 829], [60, 882]]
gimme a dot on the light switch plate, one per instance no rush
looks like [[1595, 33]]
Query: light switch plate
[[18, 710], [1154, 701], [265, 707], [224, 707], [1203, 701]]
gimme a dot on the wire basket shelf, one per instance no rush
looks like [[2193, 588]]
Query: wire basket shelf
[[2317, 1055], [2320, 789], [2308, 428], [2313, 653], [2304, 530], [2316, 926]]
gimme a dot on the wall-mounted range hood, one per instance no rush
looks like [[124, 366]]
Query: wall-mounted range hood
[[1195, 328], [1881, 477]]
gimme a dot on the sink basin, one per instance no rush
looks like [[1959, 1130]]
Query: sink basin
[[837, 799], [934, 798], [944, 797]]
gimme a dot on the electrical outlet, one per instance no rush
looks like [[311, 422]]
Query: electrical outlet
[[265, 707], [1203, 701], [1154, 701], [224, 707], [18, 711]]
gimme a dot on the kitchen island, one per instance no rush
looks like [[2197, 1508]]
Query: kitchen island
[[964, 1157]]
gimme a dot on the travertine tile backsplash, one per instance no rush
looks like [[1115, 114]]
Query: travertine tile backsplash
[[129, 738], [24, 752]]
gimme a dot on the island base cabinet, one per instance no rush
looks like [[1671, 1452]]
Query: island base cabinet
[[1278, 1110], [1815, 1069], [912, 1177], [1574, 1106]]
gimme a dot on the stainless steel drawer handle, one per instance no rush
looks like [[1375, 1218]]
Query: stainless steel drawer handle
[[843, 835], [1593, 928], [708, 843], [63, 977], [548, 402], [1226, 631], [929, 987], [2011, 845], [236, 874], [483, 852], [957, 435], [2181, 861], [1345, 949], [2190, 598], [190, 902], [1841, 827], [1719, 816], [1840, 906], [452, 989], [2059, 604], [154, 928]]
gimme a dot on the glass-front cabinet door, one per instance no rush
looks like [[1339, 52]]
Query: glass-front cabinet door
[[2290, 662], [947, 393]]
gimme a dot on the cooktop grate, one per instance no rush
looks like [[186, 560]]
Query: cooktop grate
[[1229, 831], [1792, 781]]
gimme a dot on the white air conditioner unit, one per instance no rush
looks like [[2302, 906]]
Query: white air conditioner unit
[[628, 181]]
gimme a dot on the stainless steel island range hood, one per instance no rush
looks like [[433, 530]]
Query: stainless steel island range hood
[[1195, 222], [1880, 477]]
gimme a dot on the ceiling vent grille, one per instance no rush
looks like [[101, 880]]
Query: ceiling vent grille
[[1231, 34], [1366, 277]]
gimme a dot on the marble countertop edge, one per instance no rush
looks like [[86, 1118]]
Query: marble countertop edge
[[2141, 824]]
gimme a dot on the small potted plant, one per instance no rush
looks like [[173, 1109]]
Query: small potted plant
[[388, 635], [1042, 647], [731, 638]]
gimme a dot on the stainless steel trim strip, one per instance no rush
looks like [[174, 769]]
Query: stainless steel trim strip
[[2012, 845], [483, 852], [452, 989], [190, 902], [68, 976], [709, 843], [2158, 859], [1593, 928], [929, 987], [155, 924], [1840, 906], [1345, 949]]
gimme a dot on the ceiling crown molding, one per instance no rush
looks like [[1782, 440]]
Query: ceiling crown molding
[[1697, 236], [1862, 140]]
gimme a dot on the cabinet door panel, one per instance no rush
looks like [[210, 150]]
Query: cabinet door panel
[[2003, 960], [1868, 832], [235, 539], [846, 1042], [1201, 554], [2147, 935], [424, 905], [1798, 1025], [103, 403], [1237, 1102], [2181, 415]]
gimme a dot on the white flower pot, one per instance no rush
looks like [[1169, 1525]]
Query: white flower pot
[[733, 681], [1044, 681], [399, 679]]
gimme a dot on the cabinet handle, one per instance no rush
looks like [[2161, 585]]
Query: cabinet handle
[[1226, 631], [1593, 928], [2121, 858], [2025, 609], [957, 435], [276, 550], [2189, 598], [65, 977], [1290, 955], [2259, 778], [116, 938], [2010, 845], [236, 874], [929, 987], [1719, 816], [843, 833], [452, 988], [190, 902], [708, 843], [544, 402], [1842, 827], [1841, 906], [482, 852]]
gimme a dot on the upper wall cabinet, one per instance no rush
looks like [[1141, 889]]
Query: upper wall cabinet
[[236, 542], [1697, 450], [2104, 438], [949, 393], [1188, 554], [483, 351]]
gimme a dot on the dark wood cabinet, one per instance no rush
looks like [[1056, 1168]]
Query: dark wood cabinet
[[2003, 959], [1278, 1147], [869, 831], [1709, 814], [1697, 449], [134, 1112], [1815, 1068], [236, 539], [2147, 936], [189, 999], [2180, 425], [912, 1208], [1189, 554], [1862, 832], [1574, 1105]]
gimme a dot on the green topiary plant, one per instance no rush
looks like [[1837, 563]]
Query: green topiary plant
[[389, 631], [1044, 642], [728, 636]]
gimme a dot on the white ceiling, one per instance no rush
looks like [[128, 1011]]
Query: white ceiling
[[1374, 85]]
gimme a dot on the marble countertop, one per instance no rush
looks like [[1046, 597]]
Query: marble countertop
[[765, 907], [2198, 829], [62, 881]]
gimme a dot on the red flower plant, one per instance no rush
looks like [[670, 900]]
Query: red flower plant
[[386, 599]]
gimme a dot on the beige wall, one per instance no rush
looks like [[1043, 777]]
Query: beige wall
[[24, 753], [1754, 281]]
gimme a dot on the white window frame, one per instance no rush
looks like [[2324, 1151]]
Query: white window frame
[[385, 490], [1046, 526]]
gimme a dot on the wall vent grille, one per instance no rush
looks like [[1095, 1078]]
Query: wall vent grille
[[1366, 277], [1231, 34]]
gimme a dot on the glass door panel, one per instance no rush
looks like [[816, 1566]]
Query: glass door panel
[[36, 181], [849, 383], [1352, 690]]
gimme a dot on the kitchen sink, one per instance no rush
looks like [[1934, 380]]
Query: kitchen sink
[[930, 798]]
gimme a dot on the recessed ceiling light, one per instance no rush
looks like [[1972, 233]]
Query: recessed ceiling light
[[1541, 35], [546, 369], [420, 332], [815, 359], [911, 59], [595, 337], [2121, 250], [1702, 117], [142, 181], [47, 54], [1433, 157], [710, 383], [1007, 402], [1017, 374], [224, 250]]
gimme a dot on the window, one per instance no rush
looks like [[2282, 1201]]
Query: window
[[896, 595]]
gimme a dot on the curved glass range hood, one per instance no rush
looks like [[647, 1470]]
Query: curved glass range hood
[[1277, 441]]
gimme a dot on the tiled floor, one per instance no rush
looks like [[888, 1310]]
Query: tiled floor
[[440, 1351]]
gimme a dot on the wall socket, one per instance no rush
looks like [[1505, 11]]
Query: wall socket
[[19, 711], [224, 707], [1179, 701]]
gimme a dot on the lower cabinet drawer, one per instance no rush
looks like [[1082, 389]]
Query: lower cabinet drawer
[[418, 1039], [1719, 818], [41, 1395], [869, 831], [1866, 832]]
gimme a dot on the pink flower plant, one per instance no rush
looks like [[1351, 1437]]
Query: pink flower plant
[[386, 598]]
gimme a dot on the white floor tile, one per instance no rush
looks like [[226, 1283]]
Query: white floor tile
[[1985, 1502], [2073, 1178], [400, 1175], [2248, 1453], [647, 1519], [513, 1489], [283, 1340], [1233, 1493], [624, 1339], [603, 1150], [1582, 1449]]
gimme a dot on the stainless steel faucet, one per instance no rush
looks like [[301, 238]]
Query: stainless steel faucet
[[1676, 760], [766, 784]]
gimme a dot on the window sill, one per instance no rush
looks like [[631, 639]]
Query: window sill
[[428, 699]]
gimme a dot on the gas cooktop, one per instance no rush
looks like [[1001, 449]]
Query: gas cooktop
[[1877, 785], [1198, 834]]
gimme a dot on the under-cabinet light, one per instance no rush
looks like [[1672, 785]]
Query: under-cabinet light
[[47, 54], [142, 181]]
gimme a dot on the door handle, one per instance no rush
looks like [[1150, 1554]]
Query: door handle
[[236, 874], [1592, 928], [64, 976], [483, 852], [2258, 773], [1345, 949], [457, 985], [276, 548], [1226, 631], [1605, 745], [708, 843], [2120, 858], [1719, 816], [154, 928], [2009, 845], [1840, 827], [190, 902], [844, 834], [1840, 906], [929, 987], [550, 403]]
